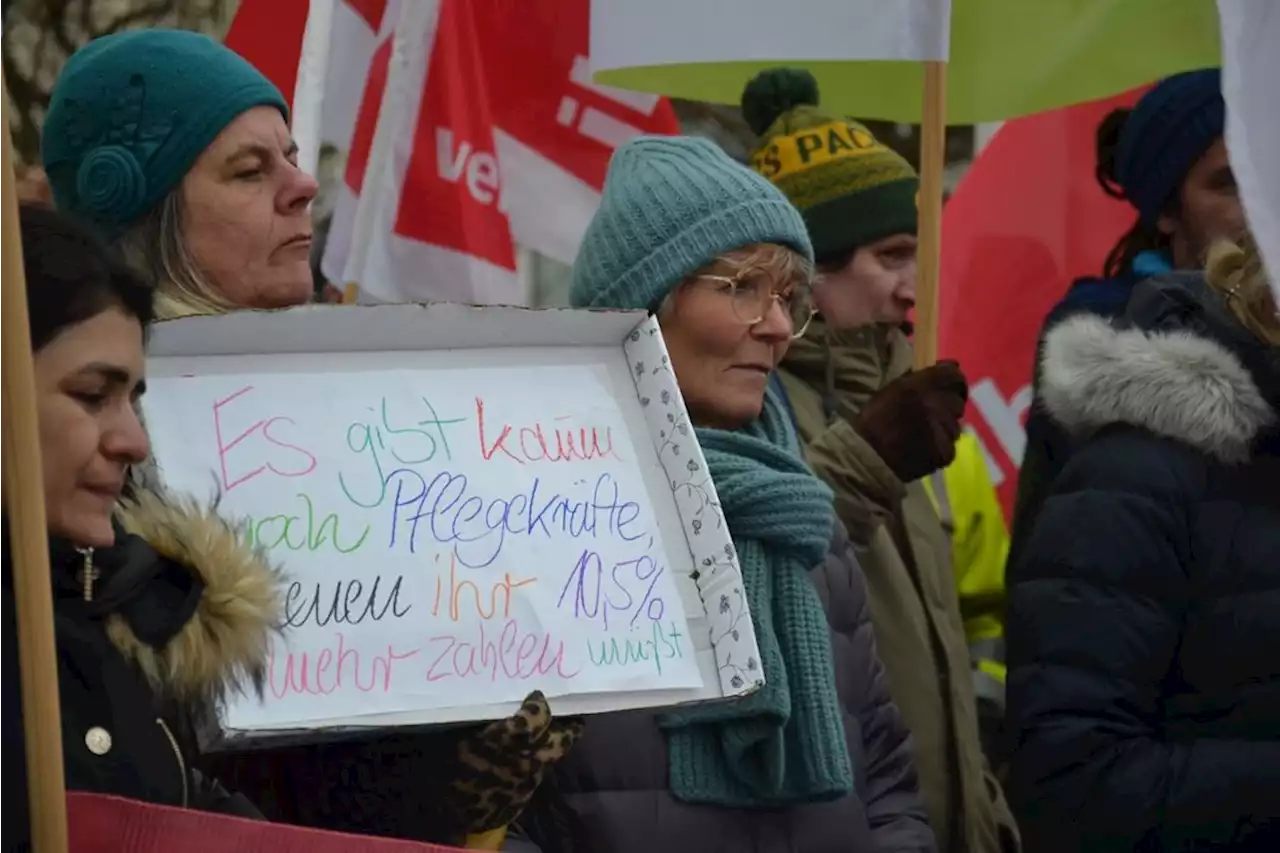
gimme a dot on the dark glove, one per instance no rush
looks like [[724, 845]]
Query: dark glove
[[498, 768], [914, 421]]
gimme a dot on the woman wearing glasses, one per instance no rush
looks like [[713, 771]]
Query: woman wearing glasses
[[818, 760], [911, 488]]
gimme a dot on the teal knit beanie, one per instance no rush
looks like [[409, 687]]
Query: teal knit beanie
[[132, 111], [670, 206]]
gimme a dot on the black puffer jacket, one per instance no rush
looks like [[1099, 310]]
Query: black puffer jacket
[[1144, 625], [172, 619]]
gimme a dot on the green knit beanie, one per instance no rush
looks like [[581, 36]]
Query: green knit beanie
[[851, 189], [670, 206], [132, 111]]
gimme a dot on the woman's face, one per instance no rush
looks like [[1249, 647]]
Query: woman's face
[[247, 215], [88, 380], [1210, 209], [722, 360], [877, 285]]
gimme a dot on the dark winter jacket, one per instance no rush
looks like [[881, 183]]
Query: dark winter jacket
[[616, 777], [1144, 625], [1048, 447], [827, 378], [173, 617]]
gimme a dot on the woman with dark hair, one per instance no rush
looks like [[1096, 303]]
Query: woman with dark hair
[[158, 607], [1166, 157]]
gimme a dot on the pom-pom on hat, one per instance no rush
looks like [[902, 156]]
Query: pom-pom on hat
[[851, 189], [132, 111]]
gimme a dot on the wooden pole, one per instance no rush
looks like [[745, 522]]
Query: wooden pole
[[28, 537], [933, 154]]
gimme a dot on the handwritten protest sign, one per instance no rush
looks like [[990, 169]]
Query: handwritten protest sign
[[469, 503]]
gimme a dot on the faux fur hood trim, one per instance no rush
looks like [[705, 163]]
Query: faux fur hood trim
[[224, 647], [1173, 383]]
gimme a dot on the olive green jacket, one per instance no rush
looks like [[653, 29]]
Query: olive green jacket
[[905, 554]]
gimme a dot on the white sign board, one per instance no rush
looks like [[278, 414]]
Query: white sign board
[[469, 503]]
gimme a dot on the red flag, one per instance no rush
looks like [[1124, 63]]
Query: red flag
[[495, 134], [420, 214], [370, 10], [269, 34], [539, 81], [555, 129], [1027, 219], [366, 118], [506, 86], [453, 171]]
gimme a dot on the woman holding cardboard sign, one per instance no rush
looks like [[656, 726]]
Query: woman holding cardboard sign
[[819, 759], [148, 623], [181, 150]]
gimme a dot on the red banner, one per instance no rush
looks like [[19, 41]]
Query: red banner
[[1026, 220], [269, 34], [101, 824], [455, 188], [539, 82]]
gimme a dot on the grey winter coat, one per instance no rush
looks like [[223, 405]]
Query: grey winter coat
[[616, 777]]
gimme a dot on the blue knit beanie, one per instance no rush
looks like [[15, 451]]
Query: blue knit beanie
[[671, 205], [1169, 129], [132, 111]]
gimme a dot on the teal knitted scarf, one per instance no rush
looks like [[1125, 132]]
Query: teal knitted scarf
[[784, 744]]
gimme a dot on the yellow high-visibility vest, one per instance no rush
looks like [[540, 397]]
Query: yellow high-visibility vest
[[965, 500]]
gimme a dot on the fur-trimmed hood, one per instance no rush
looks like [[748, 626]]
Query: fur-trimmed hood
[[224, 646], [1175, 380]]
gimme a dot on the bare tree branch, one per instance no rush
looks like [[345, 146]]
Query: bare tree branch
[[86, 18], [146, 14], [24, 96], [57, 27]]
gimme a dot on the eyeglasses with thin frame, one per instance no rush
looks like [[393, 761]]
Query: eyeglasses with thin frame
[[752, 293]]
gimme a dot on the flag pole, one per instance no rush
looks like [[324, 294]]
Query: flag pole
[[28, 537], [933, 153], [415, 26]]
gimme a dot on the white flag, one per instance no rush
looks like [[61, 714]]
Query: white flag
[[1250, 71], [629, 33]]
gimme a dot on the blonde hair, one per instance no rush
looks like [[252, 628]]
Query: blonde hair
[[780, 262], [156, 248], [1235, 270], [783, 262]]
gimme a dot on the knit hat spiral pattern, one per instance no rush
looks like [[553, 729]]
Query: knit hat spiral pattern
[[850, 188], [670, 206], [132, 111]]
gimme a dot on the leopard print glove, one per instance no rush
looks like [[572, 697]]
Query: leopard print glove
[[499, 767]]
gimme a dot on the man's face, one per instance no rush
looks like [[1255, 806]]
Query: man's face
[[1210, 209], [876, 286]]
